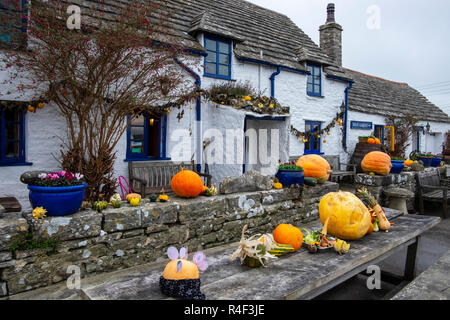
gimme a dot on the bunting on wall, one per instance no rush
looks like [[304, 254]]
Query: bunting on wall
[[307, 136]]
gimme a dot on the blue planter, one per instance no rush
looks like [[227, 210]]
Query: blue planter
[[397, 166], [58, 201], [426, 161], [436, 162], [290, 177]]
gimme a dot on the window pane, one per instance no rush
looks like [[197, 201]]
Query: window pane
[[12, 131], [211, 57], [316, 89], [138, 121], [316, 79], [310, 87], [224, 70], [316, 70], [11, 115], [308, 127], [308, 145], [224, 59], [137, 133], [210, 45], [137, 147], [316, 144], [12, 150], [210, 68], [224, 47]]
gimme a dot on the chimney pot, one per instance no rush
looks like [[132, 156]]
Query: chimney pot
[[330, 11]]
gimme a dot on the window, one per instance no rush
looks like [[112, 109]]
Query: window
[[313, 144], [13, 29], [146, 138], [314, 83], [12, 137], [218, 60]]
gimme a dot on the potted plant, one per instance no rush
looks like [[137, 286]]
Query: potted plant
[[60, 193], [436, 161], [426, 159], [363, 139], [289, 174], [398, 164]]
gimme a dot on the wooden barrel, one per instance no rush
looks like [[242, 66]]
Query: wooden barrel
[[361, 149]]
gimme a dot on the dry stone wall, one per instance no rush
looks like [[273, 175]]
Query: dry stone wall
[[130, 236]]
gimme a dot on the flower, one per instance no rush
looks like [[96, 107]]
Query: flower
[[78, 176], [62, 173], [42, 176], [248, 98], [39, 213], [271, 106]]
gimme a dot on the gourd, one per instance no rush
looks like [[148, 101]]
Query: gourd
[[211, 191], [310, 181], [349, 218], [133, 195], [288, 234], [281, 249], [377, 162], [377, 141], [189, 270], [153, 197], [371, 141], [134, 202], [99, 206], [278, 185], [314, 166], [408, 163], [187, 184]]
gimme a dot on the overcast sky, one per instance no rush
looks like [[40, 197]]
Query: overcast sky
[[410, 42]]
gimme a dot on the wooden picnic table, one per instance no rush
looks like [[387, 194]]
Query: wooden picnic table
[[298, 275]]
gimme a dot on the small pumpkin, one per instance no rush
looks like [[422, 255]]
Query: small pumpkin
[[187, 184], [278, 185], [371, 141], [408, 163], [163, 198], [349, 218], [134, 202], [133, 195], [377, 162], [377, 141], [189, 270], [314, 166], [205, 188], [288, 234]]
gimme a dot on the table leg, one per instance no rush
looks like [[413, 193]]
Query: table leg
[[411, 260]]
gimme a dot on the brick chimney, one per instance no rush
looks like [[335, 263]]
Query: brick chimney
[[331, 37]]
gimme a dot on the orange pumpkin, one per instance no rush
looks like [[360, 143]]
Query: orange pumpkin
[[187, 184], [377, 141], [408, 163], [377, 162], [188, 270], [288, 234], [371, 141], [204, 189], [133, 196], [314, 166], [349, 218]]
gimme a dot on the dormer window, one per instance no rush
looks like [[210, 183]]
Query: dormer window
[[218, 60], [314, 84]]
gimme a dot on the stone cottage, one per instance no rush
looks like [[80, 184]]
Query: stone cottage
[[232, 41]]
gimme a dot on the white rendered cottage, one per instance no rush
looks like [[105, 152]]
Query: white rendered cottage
[[231, 40]]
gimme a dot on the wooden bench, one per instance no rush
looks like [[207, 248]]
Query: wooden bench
[[147, 177], [298, 275], [340, 169], [432, 284], [432, 188]]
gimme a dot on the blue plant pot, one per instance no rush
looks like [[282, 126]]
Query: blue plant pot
[[290, 177], [436, 162], [397, 166], [58, 201], [426, 161]]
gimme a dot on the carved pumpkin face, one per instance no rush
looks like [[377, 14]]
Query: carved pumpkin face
[[314, 166], [187, 184], [349, 217], [377, 162], [180, 269]]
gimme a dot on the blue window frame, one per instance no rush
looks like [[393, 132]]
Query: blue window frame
[[313, 144], [12, 137], [218, 60], [379, 133], [314, 83], [146, 138]]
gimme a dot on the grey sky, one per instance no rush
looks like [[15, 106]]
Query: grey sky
[[412, 44]]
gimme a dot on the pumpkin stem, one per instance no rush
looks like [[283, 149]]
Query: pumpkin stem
[[325, 227]]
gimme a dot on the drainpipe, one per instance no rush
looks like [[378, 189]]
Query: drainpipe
[[198, 109], [272, 81], [350, 85]]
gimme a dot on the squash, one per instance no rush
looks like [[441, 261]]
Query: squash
[[377, 141], [349, 218], [212, 191], [310, 182], [134, 202], [278, 185], [187, 184], [314, 166], [289, 235], [281, 249], [408, 163], [133, 195], [377, 162], [189, 270], [371, 141]]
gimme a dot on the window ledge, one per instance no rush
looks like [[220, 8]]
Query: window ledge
[[147, 159], [219, 77], [15, 164], [315, 95], [313, 152]]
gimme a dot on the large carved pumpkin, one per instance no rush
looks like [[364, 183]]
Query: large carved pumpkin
[[377, 162], [314, 166], [349, 217], [187, 184]]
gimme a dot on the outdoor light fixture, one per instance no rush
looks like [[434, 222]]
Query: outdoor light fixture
[[343, 107], [152, 121], [428, 127]]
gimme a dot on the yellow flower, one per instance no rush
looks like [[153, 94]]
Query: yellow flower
[[260, 105], [271, 106], [163, 198], [134, 202], [278, 185], [248, 98], [39, 213]]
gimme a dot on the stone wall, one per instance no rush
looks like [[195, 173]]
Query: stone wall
[[126, 237], [376, 184]]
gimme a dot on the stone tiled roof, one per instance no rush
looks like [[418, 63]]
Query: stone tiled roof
[[375, 95], [253, 28]]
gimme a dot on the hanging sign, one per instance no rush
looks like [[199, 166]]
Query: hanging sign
[[361, 125]]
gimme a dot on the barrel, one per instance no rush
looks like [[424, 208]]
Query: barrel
[[361, 149]]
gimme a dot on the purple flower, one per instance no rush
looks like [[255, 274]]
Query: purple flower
[[62, 173], [69, 176], [78, 176]]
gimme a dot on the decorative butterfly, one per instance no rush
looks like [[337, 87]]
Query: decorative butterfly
[[199, 258]]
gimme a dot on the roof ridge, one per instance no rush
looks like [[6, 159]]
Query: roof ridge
[[375, 77]]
